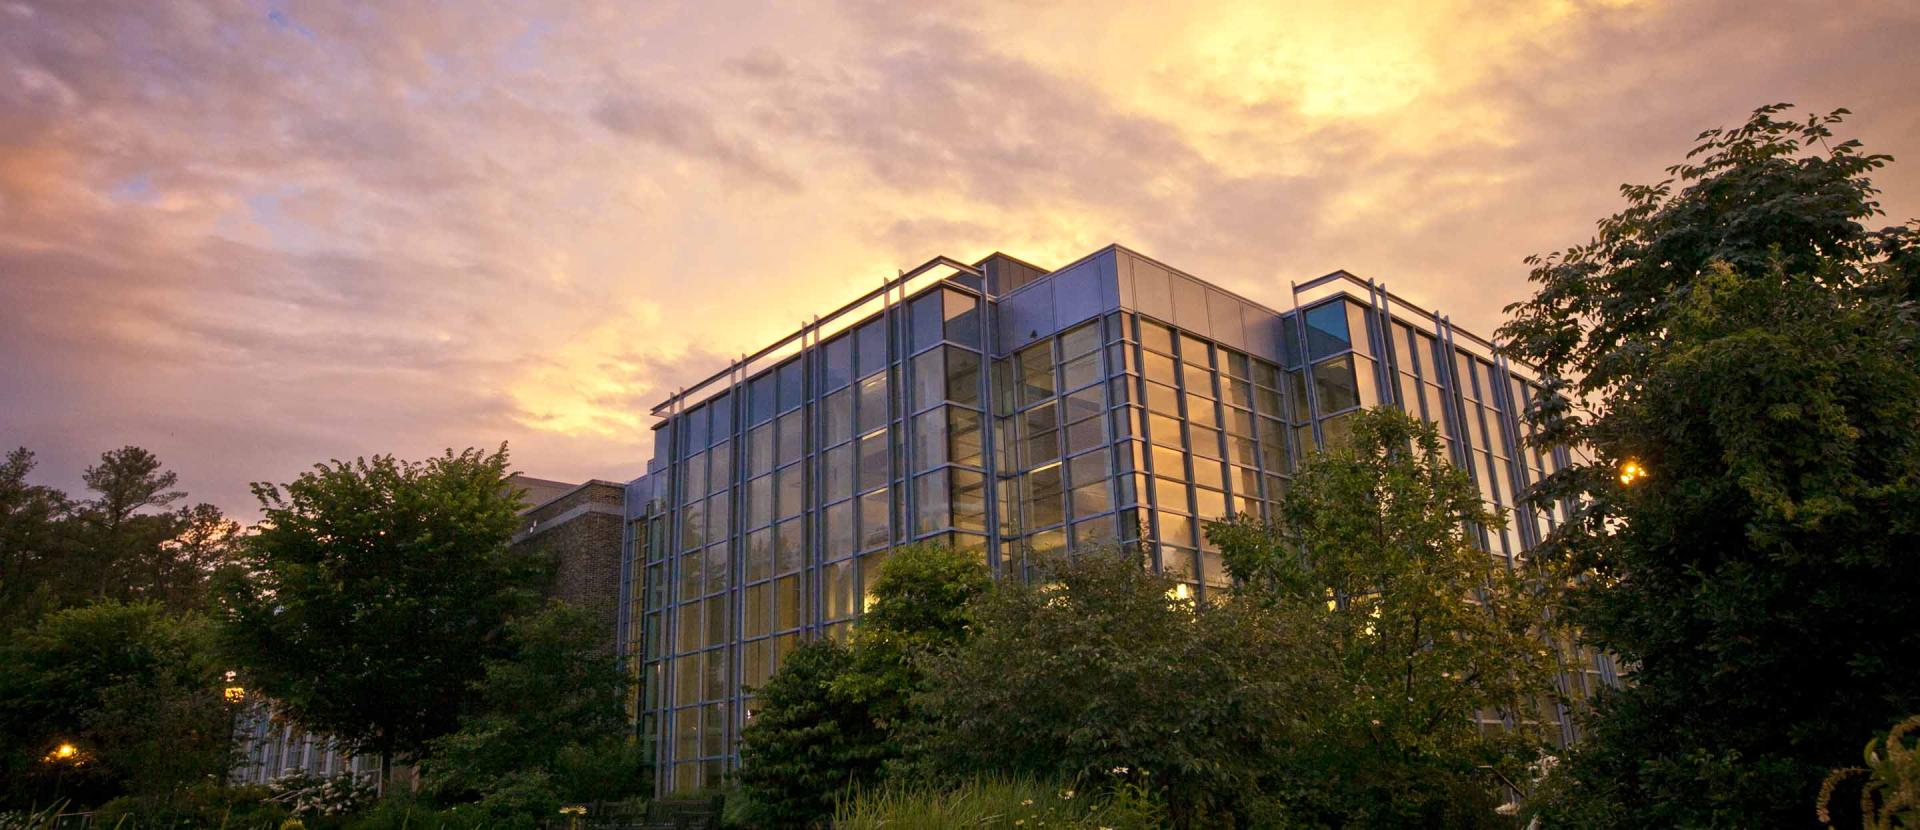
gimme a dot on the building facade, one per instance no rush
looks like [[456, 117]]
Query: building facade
[[1011, 411]]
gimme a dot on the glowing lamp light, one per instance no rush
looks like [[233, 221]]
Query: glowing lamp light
[[234, 694], [64, 753], [1631, 471]]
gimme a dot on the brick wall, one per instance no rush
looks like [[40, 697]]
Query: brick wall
[[581, 532]]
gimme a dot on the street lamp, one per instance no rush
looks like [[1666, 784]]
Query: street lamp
[[1631, 471], [62, 757]]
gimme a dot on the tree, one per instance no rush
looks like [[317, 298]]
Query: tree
[[1099, 671], [135, 691], [548, 725], [809, 740], [126, 481], [1751, 345], [835, 716], [30, 538], [1373, 560], [376, 592]]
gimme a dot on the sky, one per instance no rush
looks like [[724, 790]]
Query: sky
[[251, 236]]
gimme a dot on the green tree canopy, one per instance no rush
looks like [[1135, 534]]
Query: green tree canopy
[[835, 716], [375, 592], [548, 725], [1373, 561], [1739, 333], [136, 691]]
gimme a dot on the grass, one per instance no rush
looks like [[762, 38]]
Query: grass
[[989, 802]]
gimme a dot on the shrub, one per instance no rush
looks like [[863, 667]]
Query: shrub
[[205, 805], [1890, 795]]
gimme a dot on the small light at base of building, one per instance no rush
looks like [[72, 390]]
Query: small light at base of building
[[234, 694], [1631, 471]]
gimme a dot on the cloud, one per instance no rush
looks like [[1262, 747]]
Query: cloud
[[254, 237]]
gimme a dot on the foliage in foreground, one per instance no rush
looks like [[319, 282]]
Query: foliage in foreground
[[836, 716], [994, 801], [377, 575], [1373, 564], [548, 726], [1889, 783], [1753, 346], [134, 690]]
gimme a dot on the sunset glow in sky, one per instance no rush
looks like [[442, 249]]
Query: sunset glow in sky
[[254, 235]]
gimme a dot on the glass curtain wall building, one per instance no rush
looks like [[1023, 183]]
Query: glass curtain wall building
[[1011, 411]]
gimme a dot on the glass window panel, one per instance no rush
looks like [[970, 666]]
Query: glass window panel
[[1198, 379], [720, 475], [753, 609], [931, 509], [1035, 365], [1080, 371], [930, 442], [875, 508], [1333, 385], [873, 403], [693, 525], [759, 450], [1245, 480], [687, 638], [792, 384], [1364, 382], [759, 546], [873, 460], [789, 546], [1205, 440], [695, 485], [1156, 336], [1158, 368], [1238, 422], [1044, 497], [1175, 529], [789, 484], [837, 363], [1297, 384], [1087, 468], [1209, 504], [839, 530], [1170, 494], [963, 377], [718, 572], [1358, 328], [1208, 473], [1085, 403], [1266, 374], [1125, 422], [760, 502], [969, 502], [871, 351], [1120, 358], [1326, 329], [791, 429], [1093, 533], [1164, 430], [927, 319], [1200, 411], [963, 318], [1241, 450], [1092, 499], [760, 403], [692, 575], [964, 437], [839, 590], [1087, 434], [1163, 399], [1080, 340], [1236, 363], [839, 473], [1194, 350], [1040, 437], [1169, 463], [697, 422], [1267, 401], [839, 416], [1235, 391], [787, 599], [929, 380]]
